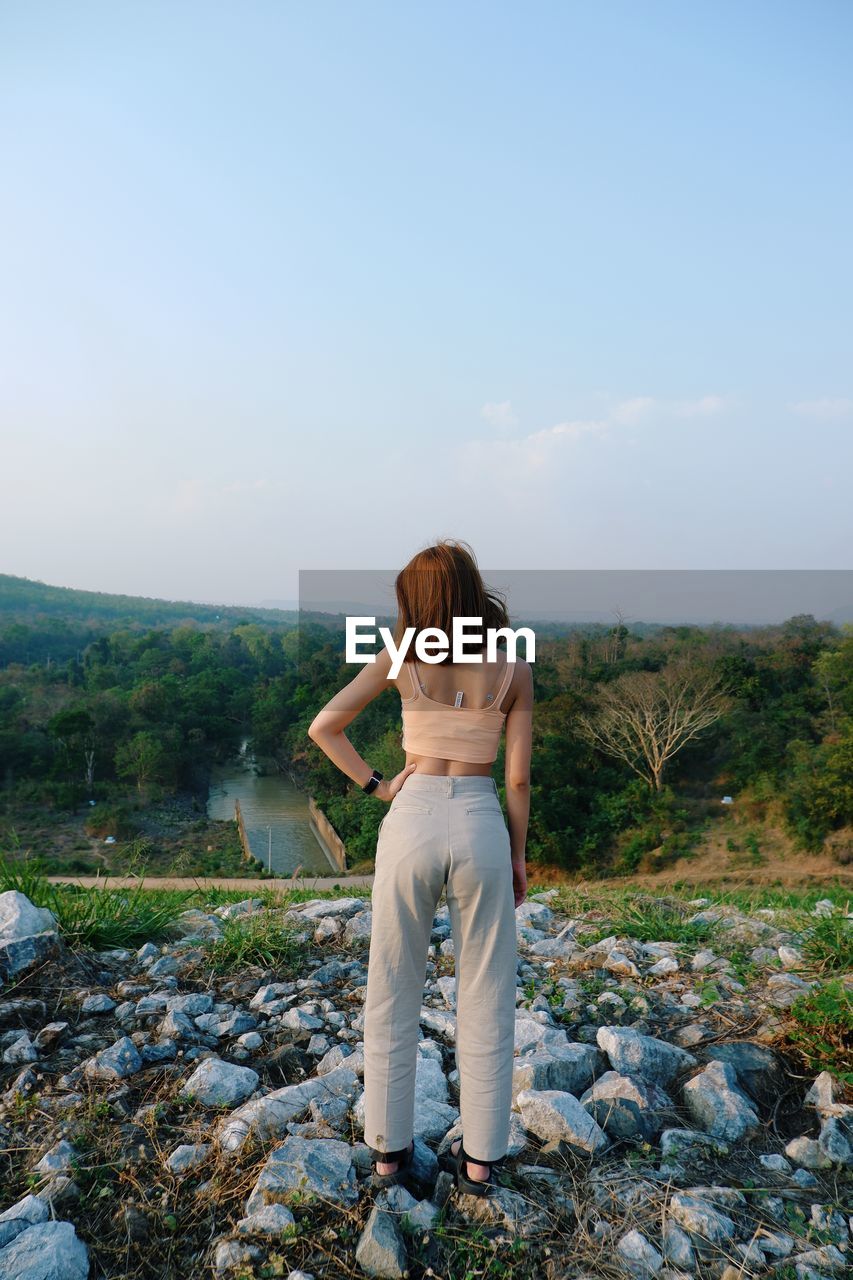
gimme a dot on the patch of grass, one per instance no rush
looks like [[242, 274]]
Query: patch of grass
[[257, 940], [774, 895], [655, 920], [821, 1028], [99, 918], [827, 943]]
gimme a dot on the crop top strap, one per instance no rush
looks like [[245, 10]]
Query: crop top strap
[[411, 665]]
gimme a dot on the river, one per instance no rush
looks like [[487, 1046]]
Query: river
[[275, 814]]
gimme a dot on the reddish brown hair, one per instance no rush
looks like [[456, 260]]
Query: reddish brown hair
[[440, 583]]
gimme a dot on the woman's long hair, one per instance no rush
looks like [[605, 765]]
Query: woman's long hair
[[440, 583]]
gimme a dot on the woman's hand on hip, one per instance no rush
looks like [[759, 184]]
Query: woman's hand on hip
[[388, 788]]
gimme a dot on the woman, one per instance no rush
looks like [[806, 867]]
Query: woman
[[444, 830]]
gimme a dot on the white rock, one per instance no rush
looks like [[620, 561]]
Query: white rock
[[216, 1083], [639, 1257], [554, 1115], [46, 1251], [19, 918]]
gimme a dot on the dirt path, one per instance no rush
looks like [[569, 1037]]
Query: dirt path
[[211, 882], [662, 880]]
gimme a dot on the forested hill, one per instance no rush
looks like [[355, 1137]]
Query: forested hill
[[38, 621]]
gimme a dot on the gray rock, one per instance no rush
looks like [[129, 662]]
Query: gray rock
[[192, 1003], [829, 1221], [758, 1069], [231, 1254], [557, 1116], [638, 1256], [320, 907], [266, 1119], [836, 1141], [98, 1002], [248, 906], [268, 1221], [359, 928], [19, 955], [774, 1163], [824, 1093], [45, 1251], [677, 1248], [21, 1050], [49, 1036], [215, 1083], [776, 1243], [784, 988], [25, 1213], [628, 1106], [807, 1152], [816, 1261], [568, 1067], [250, 1040], [683, 1142], [270, 993], [27, 935], [618, 962], [298, 1020], [178, 1026], [381, 1250], [116, 1062], [20, 918], [631, 1053], [698, 1217], [58, 1159], [533, 913], [302, 1167], [187, 1156], [715, 1102]]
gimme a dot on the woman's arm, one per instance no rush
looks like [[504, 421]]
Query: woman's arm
[[519, 739], [327, 727]]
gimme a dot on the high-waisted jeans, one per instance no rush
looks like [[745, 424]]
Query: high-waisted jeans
[[442, 832]]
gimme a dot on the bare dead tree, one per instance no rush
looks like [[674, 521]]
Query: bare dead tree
[[646, 717], [614, 643]]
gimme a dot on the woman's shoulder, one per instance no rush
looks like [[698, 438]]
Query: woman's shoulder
[[520, 683]]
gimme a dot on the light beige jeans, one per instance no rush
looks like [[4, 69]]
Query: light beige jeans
[[442, 832]]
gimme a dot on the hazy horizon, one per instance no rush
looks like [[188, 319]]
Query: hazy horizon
[[666, 597]]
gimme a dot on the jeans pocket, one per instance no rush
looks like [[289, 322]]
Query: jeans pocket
[[480, 806], [408, 807]]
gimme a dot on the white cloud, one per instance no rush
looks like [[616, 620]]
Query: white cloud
[[499, 414], [518, 455], [828, 407]]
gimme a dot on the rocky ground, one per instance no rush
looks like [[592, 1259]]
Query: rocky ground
[[165, 1114]]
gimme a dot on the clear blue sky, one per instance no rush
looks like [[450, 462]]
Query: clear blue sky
[[306, 286]]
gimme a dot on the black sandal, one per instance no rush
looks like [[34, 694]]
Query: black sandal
[[473, 1186], [401, 1173]]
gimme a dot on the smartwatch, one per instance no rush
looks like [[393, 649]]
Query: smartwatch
[[372, 782]]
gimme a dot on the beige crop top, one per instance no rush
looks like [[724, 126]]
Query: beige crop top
[[469, 734]]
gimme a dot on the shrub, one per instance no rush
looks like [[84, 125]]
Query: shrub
[[822, 1028]]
